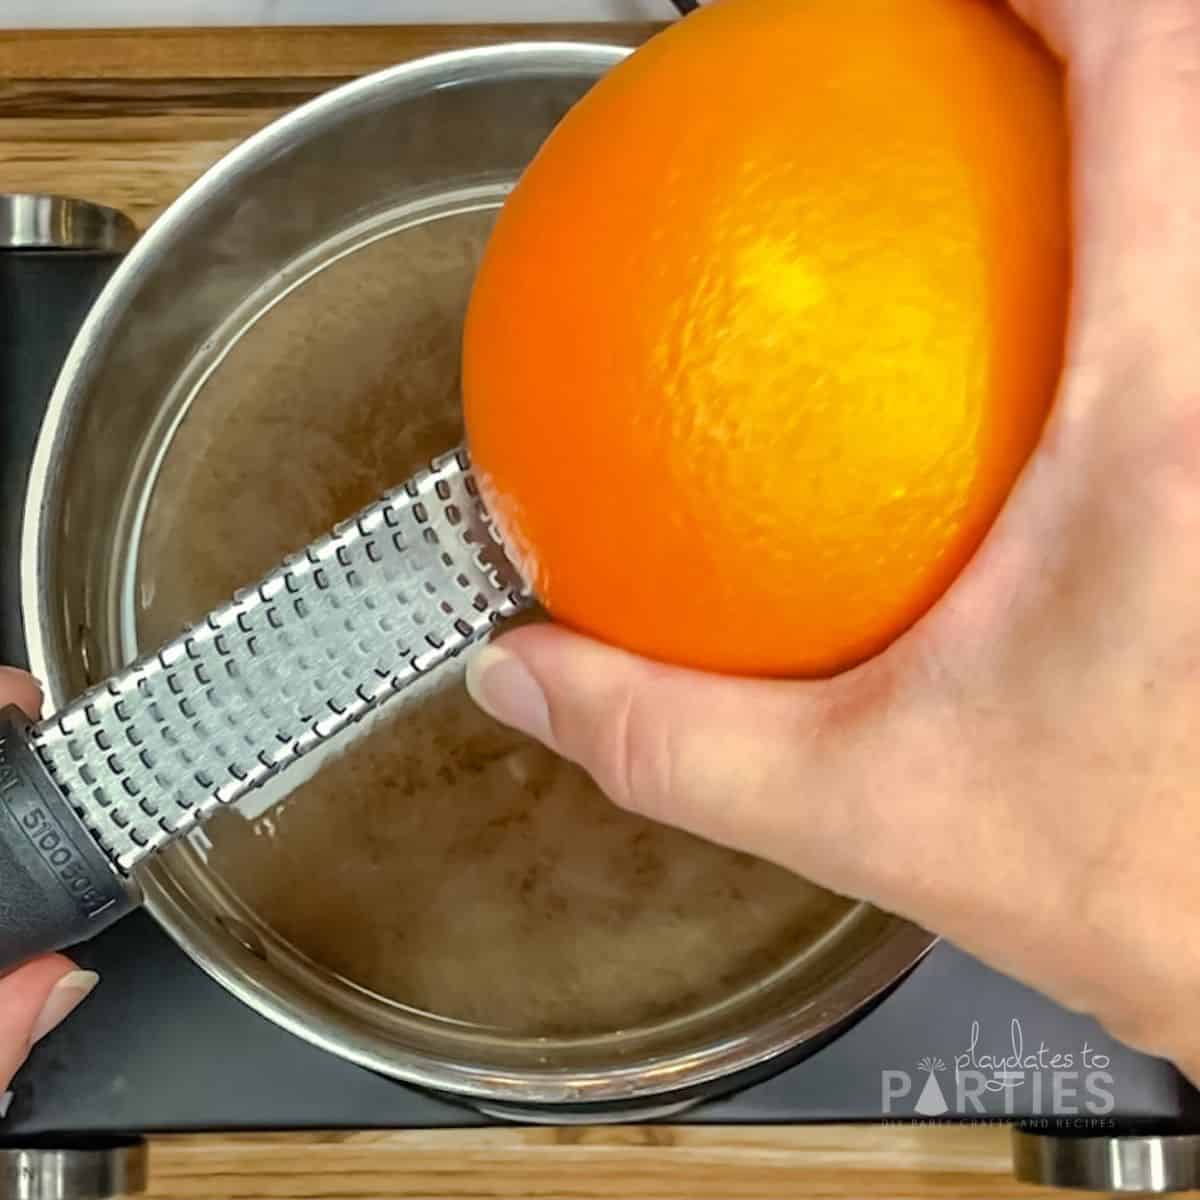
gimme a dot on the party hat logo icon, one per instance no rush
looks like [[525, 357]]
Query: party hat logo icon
[[931, 1102]]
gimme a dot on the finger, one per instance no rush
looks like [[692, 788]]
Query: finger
[[1049, 17], [20, 688], [1134, 78], [792, 772], [34, 999]]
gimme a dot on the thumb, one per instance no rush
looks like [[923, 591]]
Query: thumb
[[791, 772]]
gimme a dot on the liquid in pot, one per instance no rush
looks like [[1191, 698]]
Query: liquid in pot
[[444, 862]]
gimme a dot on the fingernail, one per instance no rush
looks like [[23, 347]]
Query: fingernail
[[65, 997], [504, 687]]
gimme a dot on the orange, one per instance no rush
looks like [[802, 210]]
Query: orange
[[766, 332]]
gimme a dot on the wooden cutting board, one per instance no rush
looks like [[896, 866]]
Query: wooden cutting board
[[130, 119]]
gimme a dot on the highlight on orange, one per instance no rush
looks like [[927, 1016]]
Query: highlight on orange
[[768, 329]]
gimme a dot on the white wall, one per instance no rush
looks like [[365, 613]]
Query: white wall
[[48, 14]]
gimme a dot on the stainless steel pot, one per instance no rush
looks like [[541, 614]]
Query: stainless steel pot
[[315, 186]]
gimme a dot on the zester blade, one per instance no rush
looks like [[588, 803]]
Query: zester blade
[[335, 632]]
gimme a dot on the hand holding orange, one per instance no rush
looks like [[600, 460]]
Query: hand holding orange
[[767, 331]]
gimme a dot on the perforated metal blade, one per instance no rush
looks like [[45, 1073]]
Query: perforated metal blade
[[335, 632]]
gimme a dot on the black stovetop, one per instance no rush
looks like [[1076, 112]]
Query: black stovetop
[[160, 1047]]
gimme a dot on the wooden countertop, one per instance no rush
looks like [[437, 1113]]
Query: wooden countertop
[[129, 119], [631, 1163]]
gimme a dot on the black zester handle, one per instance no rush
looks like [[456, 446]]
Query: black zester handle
[[56, 886]]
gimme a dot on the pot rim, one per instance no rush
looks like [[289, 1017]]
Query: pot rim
[[232, 966]]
